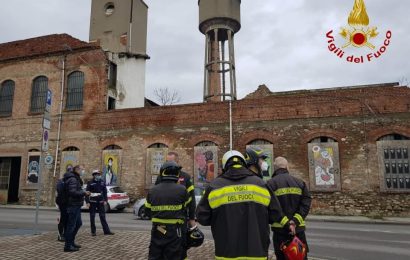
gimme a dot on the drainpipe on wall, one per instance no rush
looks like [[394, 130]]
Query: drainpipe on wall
[[60, 115]]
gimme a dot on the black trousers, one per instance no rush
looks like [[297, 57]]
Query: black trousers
[[279, 238], [168, 246], [62, 223], [98, 207]]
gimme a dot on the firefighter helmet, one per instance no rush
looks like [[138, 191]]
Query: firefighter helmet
[[294, 249], [195, 237], [233, 156], [170, 171], [253, 154]]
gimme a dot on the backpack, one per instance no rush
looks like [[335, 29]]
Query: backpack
[[62, 194]]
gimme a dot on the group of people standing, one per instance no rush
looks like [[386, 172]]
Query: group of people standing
[[238, 205], [70, 199]]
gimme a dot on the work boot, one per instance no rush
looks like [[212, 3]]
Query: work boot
[[109, 233], [76, 245], [70, 249]]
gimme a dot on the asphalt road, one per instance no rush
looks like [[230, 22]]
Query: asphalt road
[[327, 240]]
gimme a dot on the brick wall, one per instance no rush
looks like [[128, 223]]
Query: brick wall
[[354, 117]]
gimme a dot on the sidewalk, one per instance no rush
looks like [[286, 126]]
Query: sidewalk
[[123, 245], [315, 218]]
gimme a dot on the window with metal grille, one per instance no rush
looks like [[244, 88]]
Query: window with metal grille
[[39, 94], [395, 160], [6, 98], [75, 90]]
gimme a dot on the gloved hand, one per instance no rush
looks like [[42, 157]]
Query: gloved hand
[[193, 228], [292, 228]]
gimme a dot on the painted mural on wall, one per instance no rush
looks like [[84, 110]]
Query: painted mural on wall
[[69, 159], [324, 170], [33, 168], [111, 166], [205, 163], [155, 158], [268, 150]]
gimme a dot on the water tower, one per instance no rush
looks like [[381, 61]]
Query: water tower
[[219, 20]]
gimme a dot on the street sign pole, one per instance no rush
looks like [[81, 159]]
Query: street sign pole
[[44, 148]]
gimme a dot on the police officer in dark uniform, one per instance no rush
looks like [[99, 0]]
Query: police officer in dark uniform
[[239, 208], [295, 201], [185, 180], [96, 202], [166, 204]]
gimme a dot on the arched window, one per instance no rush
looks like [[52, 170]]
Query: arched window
[[259, 142], [75, 89], [70, 149], [6, 98], [158, 145], [393, 137], [205, 162], [394, 168], [324, 166], [156, 156], [70, 157], [206, 143], [39, 94], [112, 159], [323, 139], [112, 147]]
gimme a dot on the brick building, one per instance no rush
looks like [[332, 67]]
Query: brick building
[[349, 144]]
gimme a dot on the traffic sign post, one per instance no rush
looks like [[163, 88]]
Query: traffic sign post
[[44, 148]]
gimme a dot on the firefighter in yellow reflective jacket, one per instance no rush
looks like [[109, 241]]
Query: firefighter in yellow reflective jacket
[[295, 201], [238, 207], [166, 204]]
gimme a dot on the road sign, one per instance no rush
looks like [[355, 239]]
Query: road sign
[[46, 133], [48, 160], [47, 123], [48, 102]]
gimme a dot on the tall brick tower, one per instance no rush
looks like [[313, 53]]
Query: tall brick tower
[[120, 27], [219, 20]]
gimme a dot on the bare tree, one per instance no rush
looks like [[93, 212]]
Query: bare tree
[[403, 81], [167, 97]]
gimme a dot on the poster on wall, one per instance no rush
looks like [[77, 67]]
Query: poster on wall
[[111, 166], [155, 158], [268, 150], [324, 169], [33, 168], [68, 159], [205, 163]]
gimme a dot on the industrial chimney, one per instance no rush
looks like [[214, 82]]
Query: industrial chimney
[[219, 20]]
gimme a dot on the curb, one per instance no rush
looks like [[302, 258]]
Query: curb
[[311, 218]]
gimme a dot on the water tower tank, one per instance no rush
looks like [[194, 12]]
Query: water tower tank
[[225, 12], [219, 20]]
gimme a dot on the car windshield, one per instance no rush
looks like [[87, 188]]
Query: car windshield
[[116, 190]]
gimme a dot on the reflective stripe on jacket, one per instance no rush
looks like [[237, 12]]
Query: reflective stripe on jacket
[[294, 199], [238, 207], [166, 203]]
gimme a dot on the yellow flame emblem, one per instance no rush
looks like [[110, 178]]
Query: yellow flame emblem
[[359, 33]]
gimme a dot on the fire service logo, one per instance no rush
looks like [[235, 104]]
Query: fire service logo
[[358, 34]]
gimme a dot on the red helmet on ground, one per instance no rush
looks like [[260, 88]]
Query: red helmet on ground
[[294, 249]]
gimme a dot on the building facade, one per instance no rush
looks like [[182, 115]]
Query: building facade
[[350, 145]]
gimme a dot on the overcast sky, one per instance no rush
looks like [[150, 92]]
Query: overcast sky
[[281, 44]]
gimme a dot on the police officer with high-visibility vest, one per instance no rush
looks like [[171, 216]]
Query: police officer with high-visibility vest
[[166, 204], [295, 202], [239, 208]]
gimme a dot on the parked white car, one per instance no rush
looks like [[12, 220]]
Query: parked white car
[[139, 208], [117, 199]]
